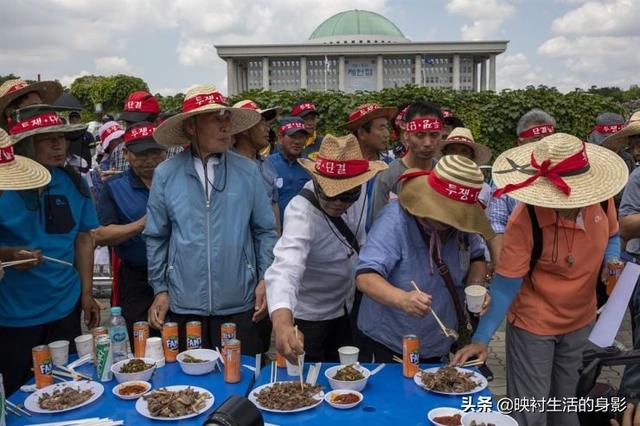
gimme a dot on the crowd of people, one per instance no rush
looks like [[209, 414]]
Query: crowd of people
[[318, 241]]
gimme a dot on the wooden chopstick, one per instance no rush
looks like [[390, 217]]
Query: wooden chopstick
[[53, 259], [15, 407], [473, 363], [17, 262], [397, 359], [442, 327], [300, 365]]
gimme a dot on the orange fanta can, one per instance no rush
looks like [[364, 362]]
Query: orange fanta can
[[232, 361], [410, 355], [170, 341], [42, 366], [140, 336]]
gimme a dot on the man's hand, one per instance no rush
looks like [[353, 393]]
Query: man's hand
[[91, 311], [485, 304], [261, 302], [141, 223], [286, 342], [158, 310], [477, 349], [21, 253], [416, 304], [631, 416]]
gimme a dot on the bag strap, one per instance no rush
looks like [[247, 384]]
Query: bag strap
[[337, 221], [536, 233]]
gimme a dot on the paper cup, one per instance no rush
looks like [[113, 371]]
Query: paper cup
[[153, 350], [84, 345], [59, 352], [475, 297], [294, 369], [348, 355]]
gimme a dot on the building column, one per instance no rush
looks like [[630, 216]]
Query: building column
[[492, 73], [232, 87], [417, 78], [483, 75], [303, 72], [265, 73], [474, 73], [379, 73], [341, 73], [456, 72]]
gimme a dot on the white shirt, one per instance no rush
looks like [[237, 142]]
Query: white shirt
[[211, 161], [313, 271]]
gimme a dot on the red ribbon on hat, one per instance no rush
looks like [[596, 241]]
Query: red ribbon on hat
[[17, 87], [6, 154], [340, 169], [138, 132], [204, 99], [289, 126], [307, 106], [108, 131], [250, 105], [607, 128], [418, 125], [576, 164], [452, 190], [37, 122], [362, 111], [544, 129]]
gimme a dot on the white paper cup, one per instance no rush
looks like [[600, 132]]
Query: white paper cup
[[348, 355], [153, 350], [294, 369], [59, 352], [475, 297], [84, 345]]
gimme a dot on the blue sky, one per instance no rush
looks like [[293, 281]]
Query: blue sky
[[169, 43]]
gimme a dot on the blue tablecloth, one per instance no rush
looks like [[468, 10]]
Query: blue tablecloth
[[108, 405], [389, 399]]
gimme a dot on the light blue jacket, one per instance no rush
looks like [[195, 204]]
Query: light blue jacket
[[208, 256]]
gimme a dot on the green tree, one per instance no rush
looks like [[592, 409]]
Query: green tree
[[111, 91], [170, 103]]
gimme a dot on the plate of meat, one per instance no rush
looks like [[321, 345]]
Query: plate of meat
[[450, 380], [175, 402], [62, 397], [286, 397]]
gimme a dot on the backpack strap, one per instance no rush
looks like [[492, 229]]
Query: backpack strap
[[536, 233]]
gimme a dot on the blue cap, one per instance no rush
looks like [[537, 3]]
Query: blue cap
[[290, 125], [116, 310]]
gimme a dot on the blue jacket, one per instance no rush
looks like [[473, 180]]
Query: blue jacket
[[208, 256]]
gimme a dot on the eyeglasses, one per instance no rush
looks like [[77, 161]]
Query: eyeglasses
[[350, 196]]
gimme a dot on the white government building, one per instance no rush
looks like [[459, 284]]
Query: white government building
[[361, 50]]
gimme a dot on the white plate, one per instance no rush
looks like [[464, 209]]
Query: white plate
[[115, 390], [497, 419], [319, 397], [477, 377], [31, 403], [443, 412], [329, 395], [142, 408]]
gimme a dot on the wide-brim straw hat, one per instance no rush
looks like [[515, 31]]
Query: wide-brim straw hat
[[269, 114], [19, 173], [11, 90], [40, 119], [201, 100], [367, 112], [620, 140], [334, 151], [604, 175], [419, 196], [462, 135]]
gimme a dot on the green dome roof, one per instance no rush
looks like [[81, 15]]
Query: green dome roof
[[355, 24]]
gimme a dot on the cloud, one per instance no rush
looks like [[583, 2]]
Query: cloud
[[487, 16], [66, 80], [617, 17], [112, 65]]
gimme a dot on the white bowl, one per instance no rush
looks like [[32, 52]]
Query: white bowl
[[116, 389], [197, 368], [441, 412], [356, 385], [329, 395], [496, 418], [143, 376]]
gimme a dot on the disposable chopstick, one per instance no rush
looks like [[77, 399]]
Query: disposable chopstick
[[300, 365], [53, 259], [17, 408], [274, 372], [258, 365], [68, 422], [220, 353], [473, 363], [17, 262], [75, 373], [442, 327], [13, 411], [397, 359]]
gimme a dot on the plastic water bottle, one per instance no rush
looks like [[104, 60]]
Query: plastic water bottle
[[118, 335]]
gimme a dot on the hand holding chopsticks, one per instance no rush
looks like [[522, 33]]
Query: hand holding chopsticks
[[446, 330]]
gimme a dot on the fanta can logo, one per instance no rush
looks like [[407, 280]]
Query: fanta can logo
[[46, 367], [228, 336], [172, 343], [193, 341], [414, 358]]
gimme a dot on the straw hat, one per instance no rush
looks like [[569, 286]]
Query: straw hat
[[619, 140], [18, 173], [11, 90], [340, 165], [40, 119], [560, 171], [268, 114], [200, 100], [462, 135], [365, 113], [448, 194]]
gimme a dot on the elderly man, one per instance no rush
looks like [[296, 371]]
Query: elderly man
[[122, 208], [210, 231], [311, 280], [44, 303], [308, 112], [16, 94]]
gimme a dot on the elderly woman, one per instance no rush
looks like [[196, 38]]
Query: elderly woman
[[554, 245], [43, 303], [430, 236]]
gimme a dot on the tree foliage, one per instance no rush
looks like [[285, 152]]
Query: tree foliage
[[170, 103], [111, 91]]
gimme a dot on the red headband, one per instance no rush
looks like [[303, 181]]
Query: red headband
[[37, 122], [340, 169], [544, 129], [362, 111], [17, 87], [303, 107], [574, 165], [452, 190], [139, 132], [6, 154], [108, 131], [289, 126], [204, 99], [418, 125], [401, 115], [607, 128]]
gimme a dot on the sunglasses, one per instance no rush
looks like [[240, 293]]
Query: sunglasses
[[350, 196]]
